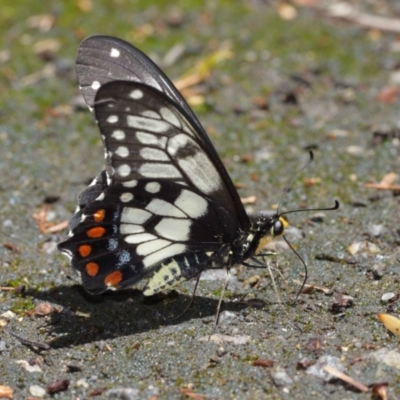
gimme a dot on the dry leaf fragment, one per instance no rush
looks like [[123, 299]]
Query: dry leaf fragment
[[43, 309], [391, 323], [381, 390], [309, 182], [45, 226], [286, 11], [388, 94], [365, 246], [12, 247], [248, 200], [6, 392], [203, 68], [189, 393], [260, 362], [59, 386], [386, 183], [30, 368], [218, 338]]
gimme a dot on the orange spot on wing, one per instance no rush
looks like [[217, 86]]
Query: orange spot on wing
[[84, 250], [96, 232], [92, 268], [113, 279], [99, 215]]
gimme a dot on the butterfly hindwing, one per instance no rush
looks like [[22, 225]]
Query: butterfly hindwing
[[127, 234]]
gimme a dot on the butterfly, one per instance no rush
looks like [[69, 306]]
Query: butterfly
[[164, 209]]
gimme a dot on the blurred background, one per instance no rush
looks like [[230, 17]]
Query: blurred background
[[269, 80]]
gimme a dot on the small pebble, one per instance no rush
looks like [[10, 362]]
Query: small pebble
[[221, 351], [37, 391], [317, 217], [281, 378], [375, 230], [387, 296], [377, 271], [82, 383], [123, 393], [226, 316], [318, 368], [8, 315]]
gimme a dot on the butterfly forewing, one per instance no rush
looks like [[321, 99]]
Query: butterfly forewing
[[103, 59], [149, 137]]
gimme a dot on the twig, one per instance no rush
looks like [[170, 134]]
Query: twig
[[346, 378], [28, 342]]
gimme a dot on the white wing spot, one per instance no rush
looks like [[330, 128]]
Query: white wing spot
[[122, 151], [150, 247], [118, 134], [110, 171], [174, 229], [151, 114], [149, 124], [139, 238], [192, 204], [155, 170], [112, 119], [161, 207], [115, 53], [95, 85], [100, 197], [152, 187], [163, 254], [148, 138], [126, 197], [127, 229], [130, 184], [177, 142], [149, 153], [201, 172], [124, 170], [136, 94], [132, 215], [169, 116]]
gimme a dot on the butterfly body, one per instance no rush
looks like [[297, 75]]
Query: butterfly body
[[164, 209]]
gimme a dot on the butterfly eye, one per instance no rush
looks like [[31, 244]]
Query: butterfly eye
[[278, 228]]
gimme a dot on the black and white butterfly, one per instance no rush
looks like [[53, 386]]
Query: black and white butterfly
[[165, 208]]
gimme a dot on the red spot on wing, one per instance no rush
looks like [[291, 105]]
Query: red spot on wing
[[113, 279], [84, 250], [99, 215], [92, 268], [96, 232]]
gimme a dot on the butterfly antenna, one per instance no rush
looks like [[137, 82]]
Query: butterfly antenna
[[335, 207], [287, 189]]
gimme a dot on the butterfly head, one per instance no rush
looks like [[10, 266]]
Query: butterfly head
[[265, 227]]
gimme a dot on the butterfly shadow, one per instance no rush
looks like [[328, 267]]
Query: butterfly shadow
[[84, 318]]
